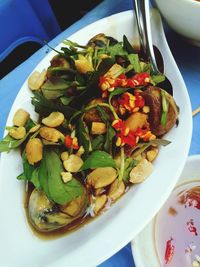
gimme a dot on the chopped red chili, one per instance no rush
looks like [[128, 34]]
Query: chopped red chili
[[71, 142], [169, 252]]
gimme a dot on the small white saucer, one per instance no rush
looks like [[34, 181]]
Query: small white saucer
[[143, 246]]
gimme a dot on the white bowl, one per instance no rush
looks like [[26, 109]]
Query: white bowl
[[183, 16], [144, 245]]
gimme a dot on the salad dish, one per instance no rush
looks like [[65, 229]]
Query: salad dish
[[101, 116], [90, 138]]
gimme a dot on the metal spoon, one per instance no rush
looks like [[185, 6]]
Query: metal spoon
[[144, 29]]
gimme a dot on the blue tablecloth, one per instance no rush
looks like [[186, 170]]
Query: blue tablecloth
[[186, 56]]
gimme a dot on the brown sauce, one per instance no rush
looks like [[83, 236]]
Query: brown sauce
[[71, 227], [68, 229]]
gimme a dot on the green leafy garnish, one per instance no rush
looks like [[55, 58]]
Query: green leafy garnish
[[98, 159], [55, 87], [52, 184], [135, 62], [127, 46], [165, 106], [129, 164], [9, 143], [44, 106], [30, 172], [155, 79], [83, 135]]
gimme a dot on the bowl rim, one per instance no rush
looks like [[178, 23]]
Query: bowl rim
[[193, 2], [137, 252]]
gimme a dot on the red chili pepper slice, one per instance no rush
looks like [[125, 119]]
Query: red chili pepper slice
[[69, 142], [169, 251], [191, 227]]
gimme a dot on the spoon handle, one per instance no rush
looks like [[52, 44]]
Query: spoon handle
[[144, 29]]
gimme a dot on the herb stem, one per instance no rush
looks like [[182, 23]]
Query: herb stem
[[103, 105], [122, 165]]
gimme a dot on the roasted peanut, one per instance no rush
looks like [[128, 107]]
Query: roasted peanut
[[101, 177], [51, 134], [34, 150], [99, 191], [100, 202], [117, 189], [36, 80], [64, 155], [17, 132], [34, 128], [139, 173], [152, 154], [73, 163], [98, 128], [55, 119], [21, 117], [66, 176]]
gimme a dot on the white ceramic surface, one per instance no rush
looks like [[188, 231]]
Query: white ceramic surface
[[100, 239], [183, 16], [143, 246]]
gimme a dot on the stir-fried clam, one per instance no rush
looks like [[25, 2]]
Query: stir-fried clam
[[46, 216]]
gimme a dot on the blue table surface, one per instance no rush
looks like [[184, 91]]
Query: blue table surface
[[186, 56]]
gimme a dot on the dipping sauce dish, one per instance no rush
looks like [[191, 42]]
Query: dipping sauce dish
[[172, 239]]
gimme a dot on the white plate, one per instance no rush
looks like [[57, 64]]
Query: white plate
[[143, 246], [103, 237]]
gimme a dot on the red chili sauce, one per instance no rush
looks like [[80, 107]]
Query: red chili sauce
[[177, 228]]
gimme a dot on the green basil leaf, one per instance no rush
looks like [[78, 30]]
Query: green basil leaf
[[55, 87], [51, 181], [80, 79], [127, 46], [9, 143], [117, 50], [35, 179], [135, 62], [43, 175], [59, 71], [103, 114], [98, 159], [66, 100], [22, 176], [30, 123], [129, 165], [83, 136], [110, 133], [44, 106], [89, 92], [28, 168], [98, 142], [145, 67], [30, 173], [157, 78]]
